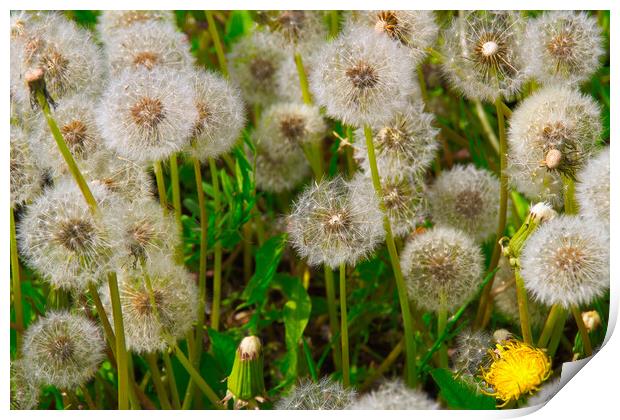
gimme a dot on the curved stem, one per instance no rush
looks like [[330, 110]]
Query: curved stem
[[583, 330], [344, 326], [410, 344], [202, 385], [103, 318], [16, 282], [161, 186], [121, 350], [217, 42], [557, 333], [217, 270], [332, 312], [526, 330], [552, 320]]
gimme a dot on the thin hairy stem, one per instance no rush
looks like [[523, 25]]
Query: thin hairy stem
[[344, 326], [217, 270], [332, 312]]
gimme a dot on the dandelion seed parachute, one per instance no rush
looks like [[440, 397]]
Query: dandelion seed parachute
[[471, 351], [276, 174], [394, 395], [564, 47], [442, 260], [287, 77], [323, 395], [148, 115], [24, 392], [298, 30], [111, 21], [119, 175], [62, 240], [253, 65], [149, 45], [484, 54], [221, 116], [26, 176], [552, 134], [336, 222], [566, 262], [592, 189], [405, 144], [361, 77], [176, 299], [465, 198], [63, 349]]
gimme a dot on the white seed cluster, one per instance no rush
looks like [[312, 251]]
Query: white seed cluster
[[323, 395], [471, 351], [394, 394], [593, 189], [26, 176]]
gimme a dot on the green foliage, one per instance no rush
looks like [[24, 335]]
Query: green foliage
[[459, 395]]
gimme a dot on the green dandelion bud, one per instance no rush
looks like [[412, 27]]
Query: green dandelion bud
[[246, 384]]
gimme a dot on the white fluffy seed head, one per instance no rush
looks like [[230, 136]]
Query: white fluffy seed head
[[336, 222], [148, 45], [566, 262], [277, 174], [254, 63], [542, 212], [26, 175], [471, 350], [112, 21], [484, 54], [361, 77], [77, 121], [63, 349], [465, 197], [176, 300], [394, 394], [592, 189], [24, 391], [62, 240], [298, 30], [405, 144], [415, 30], [286, 127], [221, 115], [554, 119], [442, 262], [323, 395], [148, 115], [564, 46], [287, 77]]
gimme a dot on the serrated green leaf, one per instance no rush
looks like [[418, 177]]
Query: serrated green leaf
[[459, 395]]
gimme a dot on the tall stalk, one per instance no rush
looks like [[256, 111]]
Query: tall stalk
[[332, 312], [217, 42], [160, 389], [121, 350], [442, 321], [217, 270], [552, 319], [344, 326], [161, 186], [176, 203], [524, 318], [583, 330], [410, 344], [16, 282]]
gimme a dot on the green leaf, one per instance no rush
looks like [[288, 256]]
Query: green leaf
[[224, 348], [267, 260], [459, 395]]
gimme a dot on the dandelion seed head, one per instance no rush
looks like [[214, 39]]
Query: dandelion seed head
[[112, 21], [26, 175], [566, 262], [471, 351], [336, 222], [63, 349], [592, 189], [361, 78], [325, 394], [394, 394], [552, 134], [277, 174], [119, 176], [465, 197], [299, 30], [287, 77], [24, 391], [148, 115], [442, 261]]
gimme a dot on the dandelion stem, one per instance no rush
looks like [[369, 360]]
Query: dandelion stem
[[16, 281], [176, 202], [583, 331], [334, 21], [217, 42], [204, 387], [303, 80], [442, 321], [486, 126], [526, 330], [160, 389], [332, 312], [570, 204], [344, 326], [107, 328], [384, 366], [557, 333], [410, 344], [121, 350], [217, 270], [161, 186], [554, 315], [349, 152], [172, 383]]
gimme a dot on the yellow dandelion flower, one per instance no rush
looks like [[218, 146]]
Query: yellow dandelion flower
[[516, 369]]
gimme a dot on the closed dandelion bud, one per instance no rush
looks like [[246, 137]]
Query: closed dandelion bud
[[483, 54], [26, 176], [323, 395], [415, 30], [471, 351], [517, 369], [335, 222], [148, 115], [149, 328], [564, 46], [24, 392], [111, 21], [277, 174], [465, 198], [591, 319], [246, 384], [566, 262], [546, 392], [405, 144], [539, 213], [300, 30], [62, 240], [148, 45], [394, 395], [285, 127], [552, 134], [361, 77], [254, 62], [592, 189], [63, 349], [221, 116], [442, 264]]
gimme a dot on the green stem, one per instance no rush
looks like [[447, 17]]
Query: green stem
[[442, 321], [332, 312], [334, 21], [552, 319], [176, 402], [161, 186], [17, 286], [423, 88], [349, 152], [583, 331], [557, 334], [570, 204], [160, 389], [410, 344], [176, 202], [202, 385], [344, 326], [107, 327], [121, 350], [384, 366], [217, 270], [486, 126], [303, 80], [526, 330], [217, 42]]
